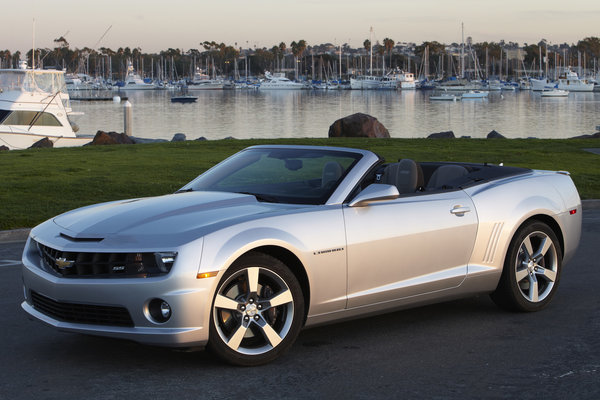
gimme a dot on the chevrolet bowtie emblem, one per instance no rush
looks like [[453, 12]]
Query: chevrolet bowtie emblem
[[63, 263]]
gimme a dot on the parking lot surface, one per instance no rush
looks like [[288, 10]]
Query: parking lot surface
[[466, 349]]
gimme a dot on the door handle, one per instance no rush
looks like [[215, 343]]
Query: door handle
[[460, 210]]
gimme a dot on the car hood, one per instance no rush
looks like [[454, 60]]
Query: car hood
[[175, 218]]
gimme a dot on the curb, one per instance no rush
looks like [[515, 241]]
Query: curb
[[20, 235], [15, 235]]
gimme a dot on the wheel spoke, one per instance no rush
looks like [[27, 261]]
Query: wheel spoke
[[282, 298], [226, 303], [528, 247], [272, 336], [235, 340], [253, 279], [547, 273], [544, 246], [521, 274], [533, 289]]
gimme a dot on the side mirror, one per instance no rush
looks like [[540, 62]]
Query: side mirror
[[375, 192]]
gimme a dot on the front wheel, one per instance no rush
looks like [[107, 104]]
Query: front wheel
[[531, 269], [257, 311]]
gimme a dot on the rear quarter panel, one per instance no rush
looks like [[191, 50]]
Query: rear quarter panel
[[504, 205]]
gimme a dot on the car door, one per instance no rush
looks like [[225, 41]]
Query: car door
[[408, 246]]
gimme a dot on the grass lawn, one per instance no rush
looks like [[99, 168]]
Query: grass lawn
[[37, 184]]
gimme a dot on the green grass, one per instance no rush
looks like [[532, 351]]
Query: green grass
[[37, 184]]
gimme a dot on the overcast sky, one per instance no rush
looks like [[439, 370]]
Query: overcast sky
[[156, 25]]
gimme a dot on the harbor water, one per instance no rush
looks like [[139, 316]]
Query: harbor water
[[245, 114]]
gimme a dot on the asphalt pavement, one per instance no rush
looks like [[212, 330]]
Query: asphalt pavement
[[467, 349]]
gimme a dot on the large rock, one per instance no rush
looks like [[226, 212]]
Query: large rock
[[593, 136], [442, 135], [179, 137], [104, 138], [3, 147], [495, 135], [358, 125], [44, 143]]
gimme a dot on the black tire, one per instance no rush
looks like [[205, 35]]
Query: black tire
[[531, 269], [257, 311]]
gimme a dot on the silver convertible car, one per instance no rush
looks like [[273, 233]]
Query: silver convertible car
[[276, 238]]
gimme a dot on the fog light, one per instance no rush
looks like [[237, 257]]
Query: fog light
[[165, 310], [159, 310]]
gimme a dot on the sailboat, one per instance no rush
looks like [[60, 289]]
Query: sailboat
[[367, 82]]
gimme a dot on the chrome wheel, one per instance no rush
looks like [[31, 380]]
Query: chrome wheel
[[531, 269], [257, 311], [536, 267]]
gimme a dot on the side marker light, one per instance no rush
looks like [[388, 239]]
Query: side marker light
[[203, 275]]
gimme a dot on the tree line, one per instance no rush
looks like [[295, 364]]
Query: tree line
[[299, 58]]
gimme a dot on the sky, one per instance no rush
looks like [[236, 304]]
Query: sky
[[158, 25]]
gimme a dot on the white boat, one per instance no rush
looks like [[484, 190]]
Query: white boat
[[278, 81], [569, 80], [406, 80], [444, 97], [370, 82], [201, 81], [134, 82], [539, 85], [34, 104], [474, 94], [555, 93]]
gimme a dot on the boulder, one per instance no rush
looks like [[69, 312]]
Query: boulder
[[104, 138], [495, 135], [442, 135], [358, 125], [201, 139], [592, 136], [179, 137], [44, 143], [2, 148]]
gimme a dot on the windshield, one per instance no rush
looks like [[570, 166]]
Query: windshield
[[282, 175]]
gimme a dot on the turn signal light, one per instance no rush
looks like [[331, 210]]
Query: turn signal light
[[572, 212], [203, 275]]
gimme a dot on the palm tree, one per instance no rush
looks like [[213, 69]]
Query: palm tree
[[282, 49], [389, 45]]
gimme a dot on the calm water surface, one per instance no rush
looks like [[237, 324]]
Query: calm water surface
[[291, 114]]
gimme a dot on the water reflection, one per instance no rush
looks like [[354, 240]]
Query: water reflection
[[291, 114]]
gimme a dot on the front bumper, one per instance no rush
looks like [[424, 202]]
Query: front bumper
[[190, 300]]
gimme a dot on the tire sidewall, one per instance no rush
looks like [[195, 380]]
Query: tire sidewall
[[264, 261], [509, 271]]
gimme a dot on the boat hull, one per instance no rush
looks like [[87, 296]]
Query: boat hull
[[21, 141]]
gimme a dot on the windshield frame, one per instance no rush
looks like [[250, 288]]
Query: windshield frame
[[351, 158]]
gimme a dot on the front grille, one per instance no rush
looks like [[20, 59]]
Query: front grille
[[105, 265], [81, 313]]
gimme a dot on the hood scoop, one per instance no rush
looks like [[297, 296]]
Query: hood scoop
[[74, 238]]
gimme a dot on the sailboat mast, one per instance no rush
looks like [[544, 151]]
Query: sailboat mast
[[462, 51], [371, 51], [33, 45]]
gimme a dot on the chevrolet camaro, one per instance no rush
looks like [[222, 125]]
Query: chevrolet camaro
[[276, 238]]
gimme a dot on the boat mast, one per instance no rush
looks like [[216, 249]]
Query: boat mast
[[33, 45], [462, 51], [371, 51]]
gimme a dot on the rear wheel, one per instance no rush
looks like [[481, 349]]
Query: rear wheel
[[257, 311], [531, 269]]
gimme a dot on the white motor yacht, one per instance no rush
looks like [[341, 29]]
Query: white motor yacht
[[34, 104], [569, 80], [133, 81], [202, 81], [278, 81], [370, 82]]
